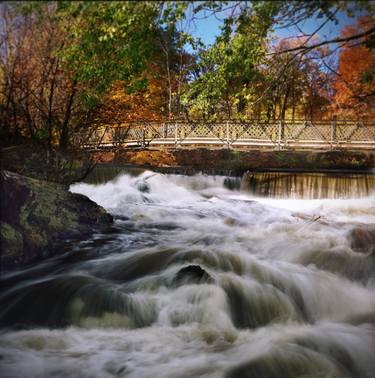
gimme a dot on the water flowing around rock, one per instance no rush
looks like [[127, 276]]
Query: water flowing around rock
[[198, 280]]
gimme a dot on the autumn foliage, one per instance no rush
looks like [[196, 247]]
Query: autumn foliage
[[67, 67], [354, 84], [287, 86], [122, 105]]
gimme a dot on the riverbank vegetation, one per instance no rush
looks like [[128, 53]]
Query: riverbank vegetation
[[69, 66]]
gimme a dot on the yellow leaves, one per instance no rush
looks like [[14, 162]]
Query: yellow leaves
[[149, 103]]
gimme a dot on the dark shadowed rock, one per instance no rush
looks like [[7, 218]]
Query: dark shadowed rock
[[363, 239], [192, 274], [232, 183], [143, 187], [37, 215], [289, 361]]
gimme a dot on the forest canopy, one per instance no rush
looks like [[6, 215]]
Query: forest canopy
[[66, 66]]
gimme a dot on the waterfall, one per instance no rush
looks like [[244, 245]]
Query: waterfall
[[309, 185], [298, 185]]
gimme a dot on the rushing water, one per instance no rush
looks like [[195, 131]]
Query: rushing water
[[309, 185], [196, 280]]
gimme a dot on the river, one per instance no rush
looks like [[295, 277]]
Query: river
[[197, 280]]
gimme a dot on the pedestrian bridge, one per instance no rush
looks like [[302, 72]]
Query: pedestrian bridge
[[279, 135]]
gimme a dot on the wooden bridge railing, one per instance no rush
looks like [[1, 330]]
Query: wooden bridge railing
[[338, 134]]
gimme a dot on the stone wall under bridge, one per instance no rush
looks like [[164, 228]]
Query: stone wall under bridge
[[236, 162]]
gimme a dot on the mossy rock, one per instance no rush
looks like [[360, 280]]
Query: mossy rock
[[11, 242], [37, 214]]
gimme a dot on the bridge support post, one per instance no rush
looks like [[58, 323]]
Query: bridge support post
[[333, 132], [175, 134], [279, 134], [227, 131], [143, 137]]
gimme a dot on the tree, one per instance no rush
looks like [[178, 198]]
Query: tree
[[287, 14], [226, 72], [66, 57], [65, 66], [355, 80], [166, 74], [38, 94]]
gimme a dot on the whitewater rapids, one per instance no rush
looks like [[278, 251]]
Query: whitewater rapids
[[196, 280]]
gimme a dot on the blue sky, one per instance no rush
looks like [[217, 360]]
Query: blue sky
[[207, 28], [330, 30]]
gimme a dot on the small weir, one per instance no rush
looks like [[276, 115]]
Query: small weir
[[274, 184], [307, 185]]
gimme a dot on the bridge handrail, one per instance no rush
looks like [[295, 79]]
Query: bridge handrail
[[280, 134]]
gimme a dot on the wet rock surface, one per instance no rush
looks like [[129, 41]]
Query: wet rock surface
[[363, 239], [37, 216], [192, 274]]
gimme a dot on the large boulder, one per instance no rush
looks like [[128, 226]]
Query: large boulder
[[36, 216], [363, 239]]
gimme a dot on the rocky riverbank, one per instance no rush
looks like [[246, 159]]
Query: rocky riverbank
[[38, 216]]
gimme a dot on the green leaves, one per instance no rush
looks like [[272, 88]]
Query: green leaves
[[174, 11], [228, 69], [367, 77], [109, 41], [106, 42], [370, 42]]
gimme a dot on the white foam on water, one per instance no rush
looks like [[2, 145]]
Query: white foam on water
[[285, 284]]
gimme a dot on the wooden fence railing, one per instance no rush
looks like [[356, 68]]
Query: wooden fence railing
[[338, 134]]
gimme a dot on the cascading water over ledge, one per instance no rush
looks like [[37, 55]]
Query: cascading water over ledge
[[198, 278], [309, 185]]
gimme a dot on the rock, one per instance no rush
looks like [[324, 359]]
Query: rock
[[229, 221], [11, 240], [37, 215], [363, 239], [192, 274], [143, 187], [232, 183], [238, 162]]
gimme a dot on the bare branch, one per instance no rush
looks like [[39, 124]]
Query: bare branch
[[304, 48]]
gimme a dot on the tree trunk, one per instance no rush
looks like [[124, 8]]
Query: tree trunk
[[64, 136]]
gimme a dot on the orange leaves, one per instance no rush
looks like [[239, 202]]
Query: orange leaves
[[149, 103], [355, 83]]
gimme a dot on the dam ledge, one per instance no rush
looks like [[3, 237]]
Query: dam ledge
[[185, 170]]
